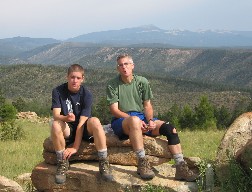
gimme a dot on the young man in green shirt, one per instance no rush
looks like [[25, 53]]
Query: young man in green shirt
[[129, 98]]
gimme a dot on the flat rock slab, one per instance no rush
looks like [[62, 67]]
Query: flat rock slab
[[119, 151], [84, 176]]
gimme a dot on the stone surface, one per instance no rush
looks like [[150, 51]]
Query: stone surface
[[32, 117], [7, 185], [235, 143], [23, 179], [119, 152], [244, 157], [85, 177]]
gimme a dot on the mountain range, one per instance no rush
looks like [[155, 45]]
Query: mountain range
[[150, 34], [143, 36], [210, 56]]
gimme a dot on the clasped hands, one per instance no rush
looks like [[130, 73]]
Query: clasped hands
[[148, 127]]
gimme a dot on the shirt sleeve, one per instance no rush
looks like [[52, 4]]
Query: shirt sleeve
[[55, 99], [111, 95], [147, 92]]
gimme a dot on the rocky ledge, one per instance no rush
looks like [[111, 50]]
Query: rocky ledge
[[84, 175]]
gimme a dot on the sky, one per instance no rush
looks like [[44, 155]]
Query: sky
[[63, 19]]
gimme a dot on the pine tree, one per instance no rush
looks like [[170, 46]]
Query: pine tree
[[187, 119], [173, 115], [204, 114], [101, 111], [223, 117]]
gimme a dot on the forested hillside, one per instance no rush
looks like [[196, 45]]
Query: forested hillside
[[221, 66], [34, 83]]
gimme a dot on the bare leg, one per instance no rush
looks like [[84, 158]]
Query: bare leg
[[95, 128], [132, 127], [175, 149], [58, 131]]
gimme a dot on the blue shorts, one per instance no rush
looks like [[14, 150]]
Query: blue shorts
[[116, 124]]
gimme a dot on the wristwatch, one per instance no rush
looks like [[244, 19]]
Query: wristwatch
[[150, 120]]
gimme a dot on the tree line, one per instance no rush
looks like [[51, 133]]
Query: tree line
[[182, 116], [204, 115]]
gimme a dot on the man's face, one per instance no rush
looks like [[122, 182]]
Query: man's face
[[74, 80], [125, 67]]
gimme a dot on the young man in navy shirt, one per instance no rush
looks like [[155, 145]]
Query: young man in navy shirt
[[72, 122]]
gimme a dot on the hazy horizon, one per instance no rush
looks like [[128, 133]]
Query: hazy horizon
[[63, 19]]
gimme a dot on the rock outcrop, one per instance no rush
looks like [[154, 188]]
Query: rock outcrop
[[32, 117], [119, 151], [85, 177], [84, 171], [237, 143]]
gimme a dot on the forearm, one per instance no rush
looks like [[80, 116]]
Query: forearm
[[116, 112], [119, 114], [79, 132], [149, 116], [148, 112], [60, 118]]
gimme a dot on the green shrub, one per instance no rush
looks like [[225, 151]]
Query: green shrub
[[238, 179], [201, 181], [7, 112], [10, 131]]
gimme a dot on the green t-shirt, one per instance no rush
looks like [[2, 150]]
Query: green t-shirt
[[130, 96]]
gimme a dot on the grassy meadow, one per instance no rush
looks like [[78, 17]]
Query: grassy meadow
[[203, 144], [18, 157]]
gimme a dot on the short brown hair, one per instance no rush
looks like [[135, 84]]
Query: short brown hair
[[75, 68]]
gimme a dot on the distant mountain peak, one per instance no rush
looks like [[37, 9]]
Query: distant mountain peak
[[143, 28], [149, 27]]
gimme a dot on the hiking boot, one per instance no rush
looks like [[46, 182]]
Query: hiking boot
[[105, 170], [184, 173], [144, 169], [62, 168]]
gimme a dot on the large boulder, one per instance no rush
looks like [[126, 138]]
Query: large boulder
[[244, 157], [236, 143], [85, 177], [119, 151]]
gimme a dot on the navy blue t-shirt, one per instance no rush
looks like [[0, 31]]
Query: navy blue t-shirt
[[79, 103]]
